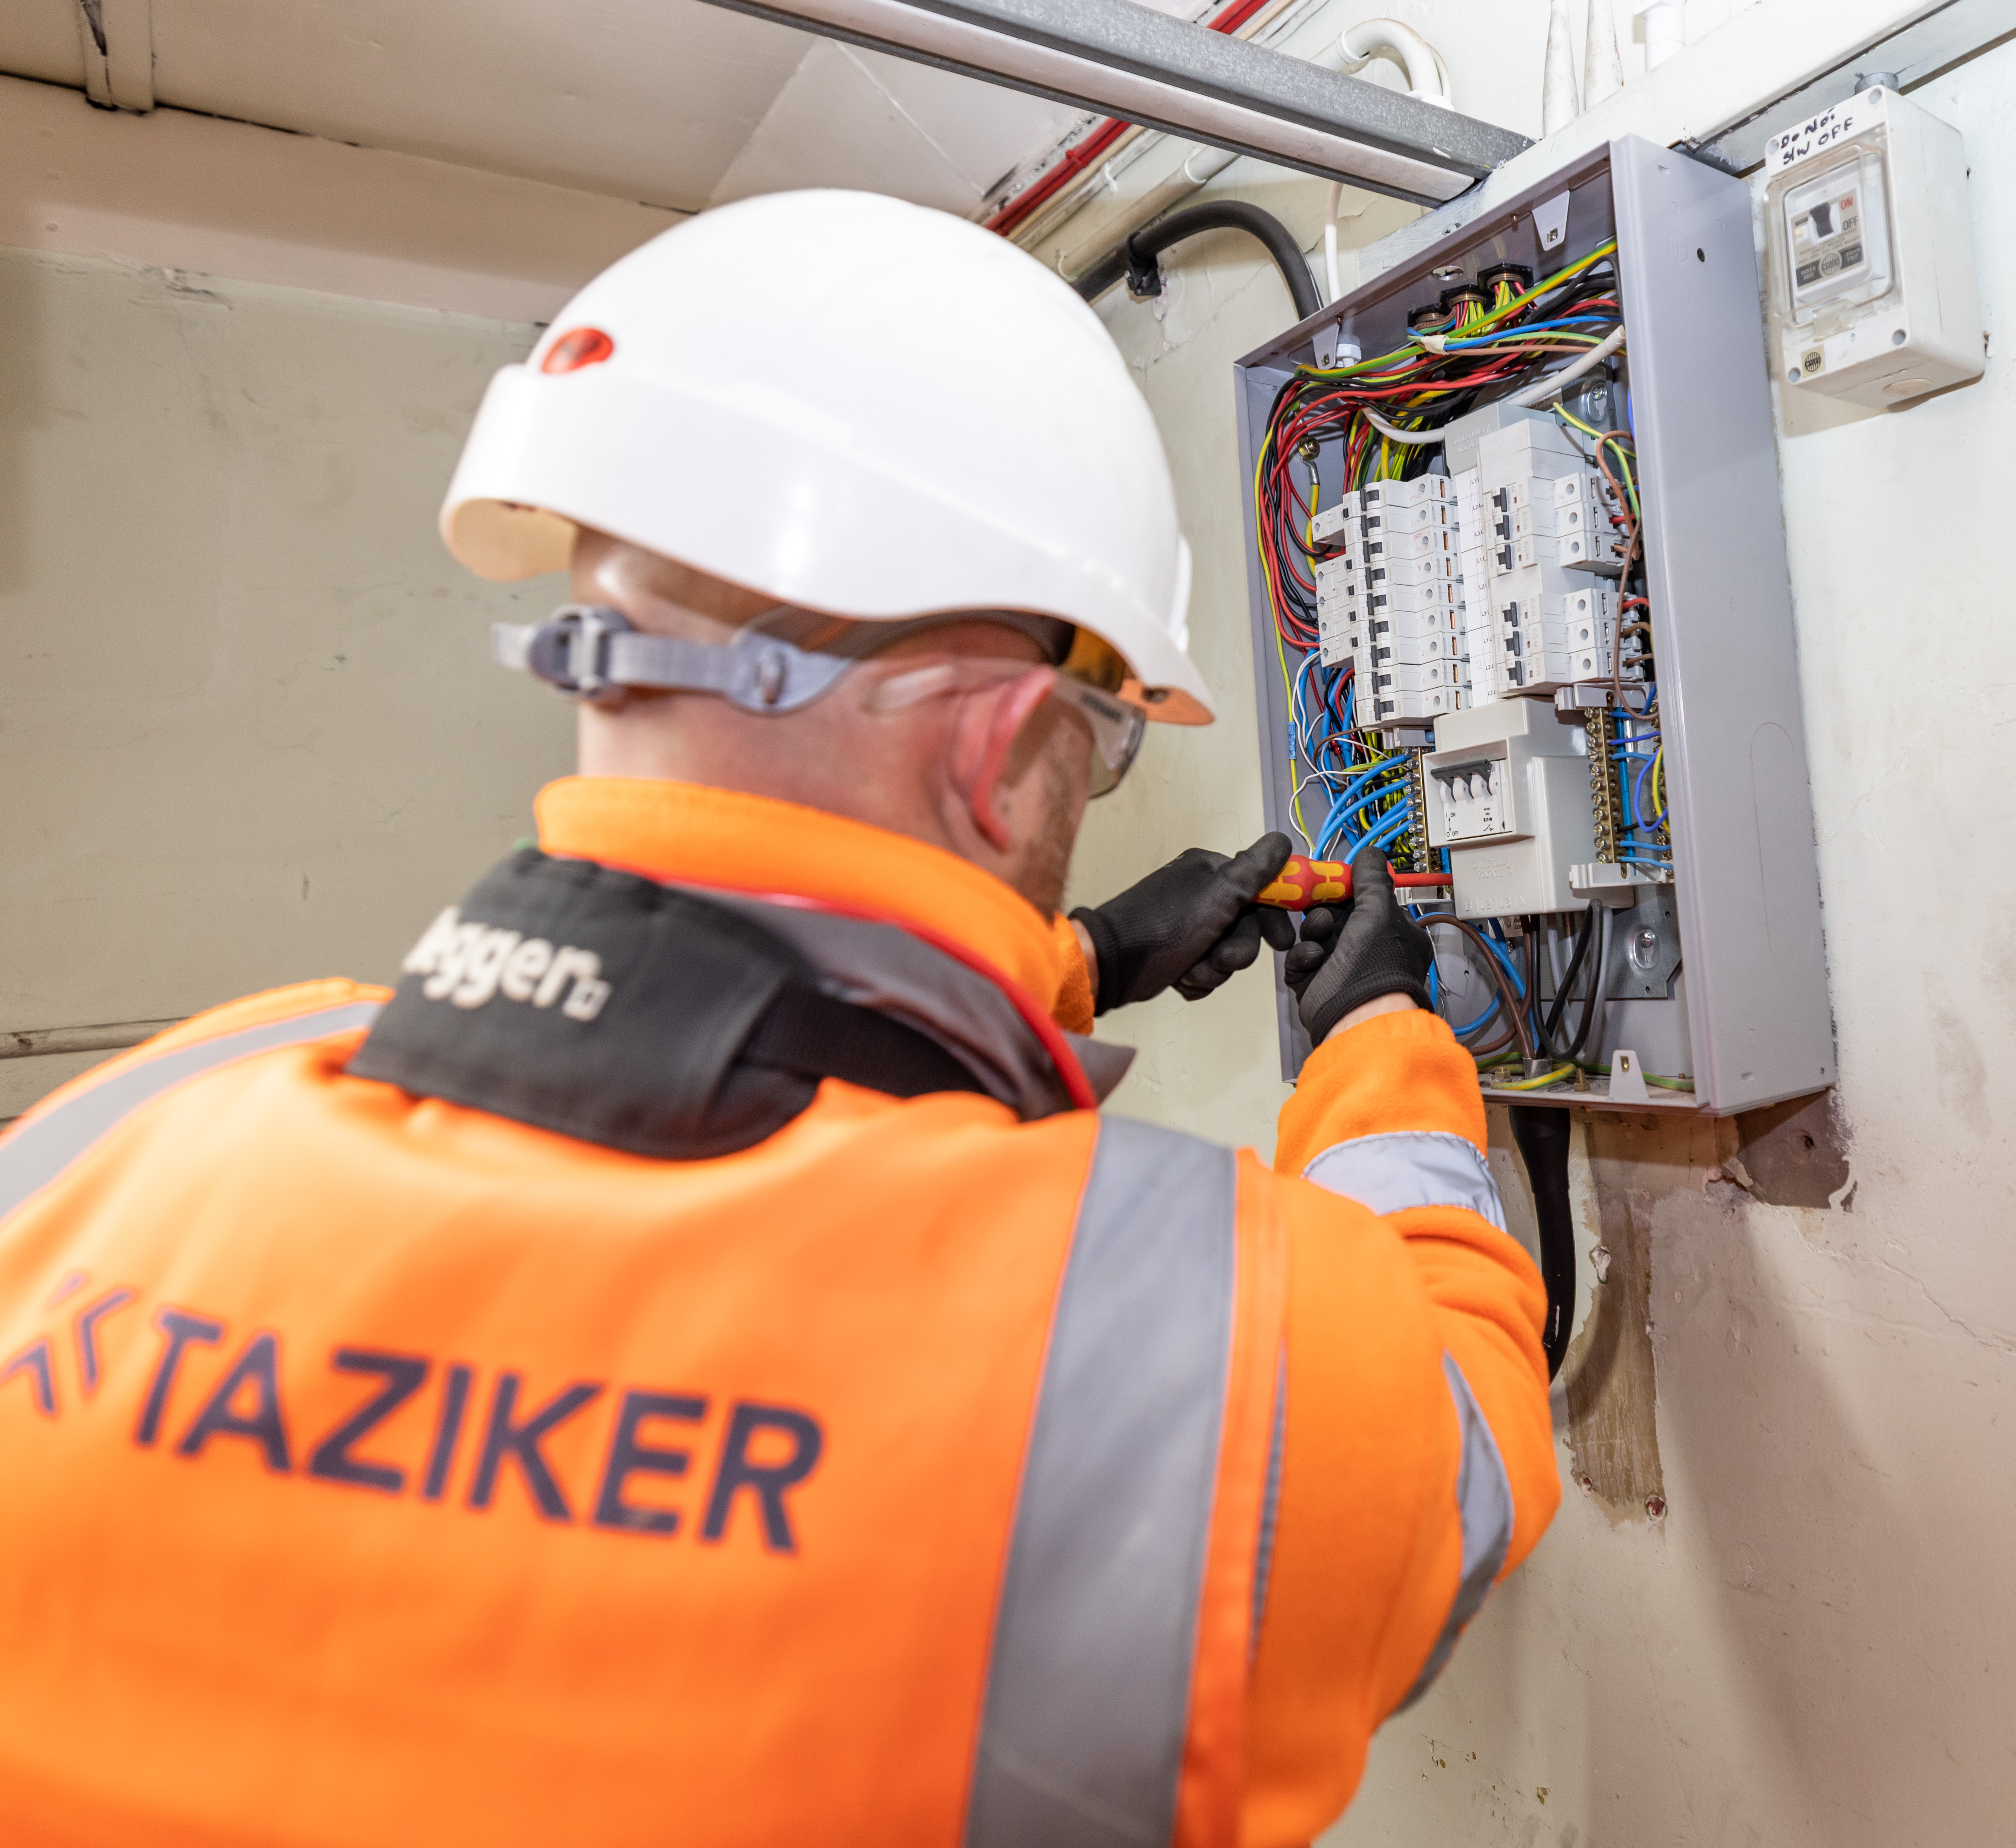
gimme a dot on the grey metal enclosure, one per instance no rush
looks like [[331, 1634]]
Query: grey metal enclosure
[[1740, 996]]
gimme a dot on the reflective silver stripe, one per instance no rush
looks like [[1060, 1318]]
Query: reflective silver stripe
[[39, 1150], [1089, 1688], [1270, 1503], [1413, 1168], [1484, 1503]]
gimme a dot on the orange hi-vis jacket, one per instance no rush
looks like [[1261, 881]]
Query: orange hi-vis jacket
[[959, 1468]]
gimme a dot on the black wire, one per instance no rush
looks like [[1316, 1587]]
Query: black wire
[[1137, 254], [1541, 1131], [1592, 1006], [1584, 931]]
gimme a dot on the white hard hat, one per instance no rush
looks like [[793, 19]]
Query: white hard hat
[[856, 406]]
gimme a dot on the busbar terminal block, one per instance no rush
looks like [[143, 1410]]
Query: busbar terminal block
[[1571, 622]]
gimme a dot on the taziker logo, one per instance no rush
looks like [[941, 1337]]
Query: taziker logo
[[467, 963], [408, 1438]]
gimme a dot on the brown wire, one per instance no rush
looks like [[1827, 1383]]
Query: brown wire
[[1623, 500], [1506, 999]]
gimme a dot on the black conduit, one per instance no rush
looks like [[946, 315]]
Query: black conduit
[[1542, 1134], [1135, 257]]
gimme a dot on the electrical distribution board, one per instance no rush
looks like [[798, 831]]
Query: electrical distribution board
[[1522, 616]]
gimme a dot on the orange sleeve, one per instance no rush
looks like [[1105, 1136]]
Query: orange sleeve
[[1368, 1554], [1072, 1007]]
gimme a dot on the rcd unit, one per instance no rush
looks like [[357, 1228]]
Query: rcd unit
[[1871, 253]]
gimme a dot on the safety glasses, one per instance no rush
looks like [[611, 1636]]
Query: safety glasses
[[1116, 727]]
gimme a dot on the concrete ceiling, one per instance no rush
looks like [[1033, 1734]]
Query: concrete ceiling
[[671, 103]]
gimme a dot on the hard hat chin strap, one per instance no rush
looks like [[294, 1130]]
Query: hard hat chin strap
[[591, 652]]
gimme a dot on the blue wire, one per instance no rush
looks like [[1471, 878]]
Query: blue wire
[[1434, 984], [1490, 339], [1345, 809], [1482, 1020], [1498, 950], [1355, 796], [1386, 826], [1638, 787], [1392, 831]]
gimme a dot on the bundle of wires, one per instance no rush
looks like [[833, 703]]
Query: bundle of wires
[[1454, 357], [1520, 1027], [1479, 341], [1370, 791]]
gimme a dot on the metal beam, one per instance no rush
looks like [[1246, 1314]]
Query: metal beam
[[1124, 60]]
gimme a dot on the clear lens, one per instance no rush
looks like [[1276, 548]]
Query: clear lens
[[1116, 727], [1116, 731]]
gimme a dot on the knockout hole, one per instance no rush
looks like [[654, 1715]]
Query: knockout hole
[[1701, 256]]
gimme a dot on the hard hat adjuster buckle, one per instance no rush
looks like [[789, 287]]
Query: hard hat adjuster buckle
[[595, 654]]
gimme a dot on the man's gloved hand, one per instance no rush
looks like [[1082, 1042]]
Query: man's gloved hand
[[1354, 953], [1188, 926]]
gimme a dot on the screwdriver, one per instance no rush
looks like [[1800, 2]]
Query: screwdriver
[[1302, 883]]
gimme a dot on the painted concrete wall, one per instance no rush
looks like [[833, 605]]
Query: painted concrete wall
[[1813, 1643], [248, 731]]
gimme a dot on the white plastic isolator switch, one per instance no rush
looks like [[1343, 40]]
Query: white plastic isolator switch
[[1872, 288]]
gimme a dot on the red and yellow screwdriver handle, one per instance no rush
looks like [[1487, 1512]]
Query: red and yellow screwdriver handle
[[1304, 883]]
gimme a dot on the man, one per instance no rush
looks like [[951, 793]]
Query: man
[[693, 1365]]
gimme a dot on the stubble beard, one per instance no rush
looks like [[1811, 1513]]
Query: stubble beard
[[1041, 876]]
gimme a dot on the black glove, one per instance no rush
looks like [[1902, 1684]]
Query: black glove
[[1367, 948], [1188, 926]]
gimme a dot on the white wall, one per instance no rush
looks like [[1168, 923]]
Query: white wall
[[1815, 1643], [248, 733], [248, 730]]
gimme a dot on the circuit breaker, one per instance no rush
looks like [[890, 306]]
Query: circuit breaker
[[1520, 616], [1872, 292]]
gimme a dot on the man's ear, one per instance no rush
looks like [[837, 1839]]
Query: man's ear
[[989, 722]]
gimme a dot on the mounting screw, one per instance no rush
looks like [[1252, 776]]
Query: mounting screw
[[1655, 1508]]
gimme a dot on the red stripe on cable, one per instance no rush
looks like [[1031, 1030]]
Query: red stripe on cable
[[1077, 160]]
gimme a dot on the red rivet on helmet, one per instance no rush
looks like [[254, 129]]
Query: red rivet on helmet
[[577, 347]]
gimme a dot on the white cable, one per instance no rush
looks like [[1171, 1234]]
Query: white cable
[[1427, 76], [1420, 439], [1551, 386]]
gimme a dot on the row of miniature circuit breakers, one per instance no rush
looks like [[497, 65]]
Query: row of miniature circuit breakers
[[1496, 581]]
